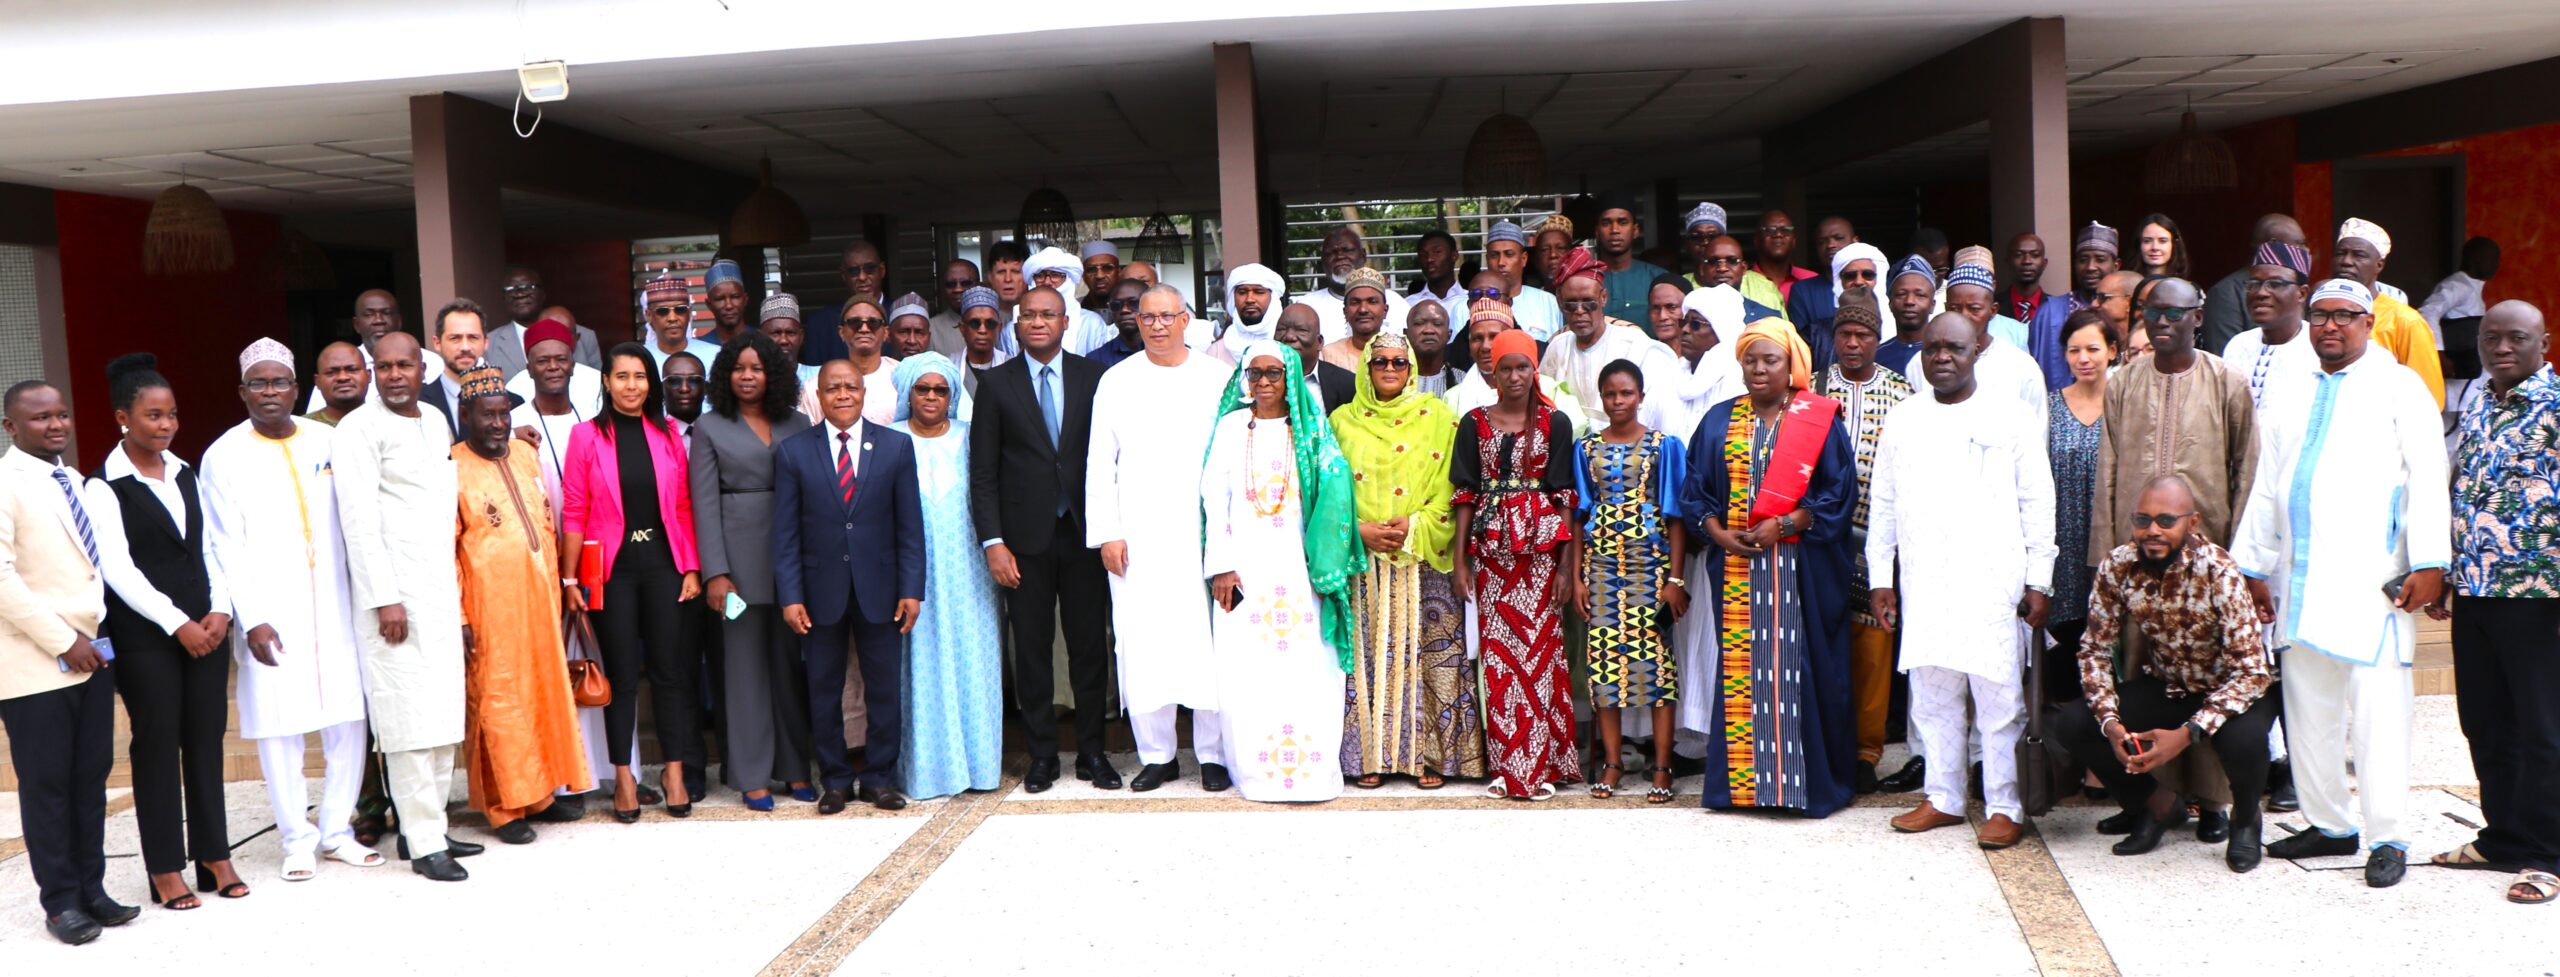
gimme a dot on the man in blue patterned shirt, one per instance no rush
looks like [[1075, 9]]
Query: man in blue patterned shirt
[[2506, 627]]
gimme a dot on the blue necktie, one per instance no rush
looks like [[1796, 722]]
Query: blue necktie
[[1049, 403], [79, 515]]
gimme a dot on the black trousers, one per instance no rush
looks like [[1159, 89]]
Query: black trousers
[[62, 743], [178, 706], [2506, 673], [882, 652], [643, 631], [1066, 581], [2061, 663], [2144, 704]]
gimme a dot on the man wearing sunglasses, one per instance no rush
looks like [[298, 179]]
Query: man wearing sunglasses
[[1774, 254], [1122, 308], [669, 301], [2180, 411], [2348, 530], [2201, 689], [526, 299], [865, 275]]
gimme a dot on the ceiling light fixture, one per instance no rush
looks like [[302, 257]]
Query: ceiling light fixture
[[768, 218], [185, 234]]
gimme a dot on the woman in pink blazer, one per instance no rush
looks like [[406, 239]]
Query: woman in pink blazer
[[624, 486]]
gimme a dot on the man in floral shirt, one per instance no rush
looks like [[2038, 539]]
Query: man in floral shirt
[[2506, 621], [2205, 679]]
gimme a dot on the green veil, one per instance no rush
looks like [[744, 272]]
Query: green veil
[[1327, 506]]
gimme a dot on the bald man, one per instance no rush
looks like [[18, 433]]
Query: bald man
[[377, 314], [2226, 304], [528, 303]]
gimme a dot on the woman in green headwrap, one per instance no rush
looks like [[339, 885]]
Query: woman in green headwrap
[[1280, 549], [1410, 707]]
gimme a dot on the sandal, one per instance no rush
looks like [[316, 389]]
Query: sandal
[[1605, 786], [1659, 793], [181, 902], [1494, 790], [2466, 857], [2533, 887], [206, 881], [1369, 781], [1543, 791], [356, 855], [299, 867], [1428, 780]]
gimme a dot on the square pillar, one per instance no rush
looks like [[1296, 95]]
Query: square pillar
[[1239, 156], [462, 233], [2031, 144]]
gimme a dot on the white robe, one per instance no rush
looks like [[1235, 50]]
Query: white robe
[[395, 505], [1150, 433], [2249, 353], [1962, 495], [2006, 373], [432, 364], [271, 522], [552, 455], [1331, 325], [1280, 684], [2350, 492], [1578, 371]]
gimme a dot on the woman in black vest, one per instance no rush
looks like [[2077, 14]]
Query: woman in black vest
[[169, 615]]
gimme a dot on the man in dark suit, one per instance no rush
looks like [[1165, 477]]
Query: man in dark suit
[[1301, 330], [1027, 442], [848, 564]]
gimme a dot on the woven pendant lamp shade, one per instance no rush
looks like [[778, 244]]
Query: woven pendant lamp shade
[[1504, 159], [1046, 216], [2193, 161], [1158, 242], [768, 218], [302, 264], [185, 235]]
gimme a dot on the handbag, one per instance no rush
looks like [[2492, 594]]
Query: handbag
[[2035, 759]]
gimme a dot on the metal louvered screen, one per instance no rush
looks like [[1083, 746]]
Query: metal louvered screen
[[21, 338]]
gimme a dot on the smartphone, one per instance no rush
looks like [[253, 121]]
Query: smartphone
[[106, 652], [2135, 746], [1234, 597], [734, 606], [2392, 587]]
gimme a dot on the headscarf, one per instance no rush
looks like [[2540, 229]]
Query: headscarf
[[2358, 227], [549, 331], [1399, 455], [724, 270], [1580, 263], [914, 367], [2286, 254], [980, 297], [1240, 333], [2345, 288], [1851, 253], [483, 381], [1057, 260], [265, 351], [1328, 507], [1515, 341], [779, 305], [1799, 358]]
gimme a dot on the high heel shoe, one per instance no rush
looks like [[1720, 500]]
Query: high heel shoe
[[631, 816], [207, 882], [760, 804], [181, 902], [805, 793]]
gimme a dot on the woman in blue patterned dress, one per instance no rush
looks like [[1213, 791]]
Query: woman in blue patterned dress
[[954, 675], [1628, 480], [2074, 416]]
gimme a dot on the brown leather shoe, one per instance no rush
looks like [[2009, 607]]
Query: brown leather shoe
[[1923, 818], [1999, 832]]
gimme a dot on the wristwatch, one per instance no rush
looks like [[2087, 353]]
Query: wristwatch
[[2195, 733], [1677, 582]]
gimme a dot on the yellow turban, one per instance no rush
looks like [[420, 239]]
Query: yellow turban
[[1779, 332]]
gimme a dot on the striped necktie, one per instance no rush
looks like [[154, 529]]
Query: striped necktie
[[844, 464], [79, 515]]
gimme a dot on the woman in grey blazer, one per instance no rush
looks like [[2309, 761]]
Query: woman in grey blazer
[[753, 391]]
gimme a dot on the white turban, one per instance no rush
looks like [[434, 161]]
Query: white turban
[[1092, 248], [2359, 227], [265, 351], [1240, 332], [1057, 260], [1851, 253], [1721, 306]]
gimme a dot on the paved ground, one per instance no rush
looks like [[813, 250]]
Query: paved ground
[[1078, 881]]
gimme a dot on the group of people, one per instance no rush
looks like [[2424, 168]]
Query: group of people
[[1446, 533]]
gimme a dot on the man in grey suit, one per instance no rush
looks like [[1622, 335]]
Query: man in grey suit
[[525, 300]]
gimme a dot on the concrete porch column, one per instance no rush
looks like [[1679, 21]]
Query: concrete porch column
[[1239, 157]]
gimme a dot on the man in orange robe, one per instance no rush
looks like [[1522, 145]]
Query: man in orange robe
[[521, 738]]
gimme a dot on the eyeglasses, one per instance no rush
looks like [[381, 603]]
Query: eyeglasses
[[1868, 277], [670, 309], [1265, 374], [865, 268], [521, 289], [1777, 229], [2267, 284], [1119, 304], [1038, 315], [865, 323], [272, 385], [1389, 363], [936, 390], [2170, 314], [1725, 259], [1578, 305], [2145, 520], [1159, 318], [1484, 293], [2343, 317], [959, 284]]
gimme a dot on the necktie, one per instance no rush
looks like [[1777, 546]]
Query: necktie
[[1049, 403], [79, 515], [844, 464]]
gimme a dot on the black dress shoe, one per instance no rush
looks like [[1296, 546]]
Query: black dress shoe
[[562, 811], [2119, 823], [1866, 778], [1155, 775], [2245, 851], [2385, 866], [458, 849], [440, 867], [831, 802], [2213, 827], [1042, 775], [2313, 844], [2280, 793], [71, 926], [1905, 780], [516, 832], [108, 912], [884, 798], [2146, 834], [1098, 769], [1213, 777]]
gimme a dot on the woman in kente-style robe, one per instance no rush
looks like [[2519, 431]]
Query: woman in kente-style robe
[[1777, 707]]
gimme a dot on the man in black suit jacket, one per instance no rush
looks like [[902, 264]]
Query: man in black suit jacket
[[1027, 442], [848, 564], [1301, 330]]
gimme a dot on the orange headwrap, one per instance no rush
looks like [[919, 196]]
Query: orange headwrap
[[1507, 343], [1779, 332]]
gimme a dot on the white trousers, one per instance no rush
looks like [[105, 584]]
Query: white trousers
[[1999, 715], [2330, 704], [1154, 732], [419, 783], [289, 793]]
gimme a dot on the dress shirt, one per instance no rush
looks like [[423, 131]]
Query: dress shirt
[[2203, 630], [2506, 492]]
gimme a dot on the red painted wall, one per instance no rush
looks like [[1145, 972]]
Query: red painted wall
[[2108, 190], [592, 278], [196, 324]]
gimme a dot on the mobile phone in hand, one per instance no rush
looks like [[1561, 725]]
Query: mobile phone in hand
[[2392, 587], [1234, 598]]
